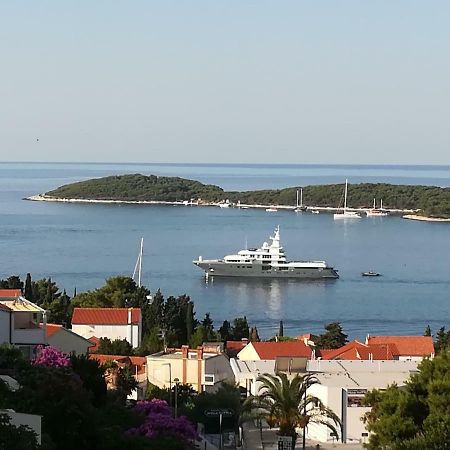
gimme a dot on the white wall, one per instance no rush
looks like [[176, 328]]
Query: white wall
[[69, 342], [220, 367], [4, 326], [131, 333]]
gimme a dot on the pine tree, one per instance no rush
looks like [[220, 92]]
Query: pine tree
[[427, 331], [225, 331], [254, 337], [333, 337], [28, 288], [207, 324]]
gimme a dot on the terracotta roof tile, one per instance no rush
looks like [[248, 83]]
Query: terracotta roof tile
[[105, 316], [52, 328], [273, 350], [10, 293], [356, 350], [406, 345]]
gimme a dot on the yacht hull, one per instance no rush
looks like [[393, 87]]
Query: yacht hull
[[222, 269]]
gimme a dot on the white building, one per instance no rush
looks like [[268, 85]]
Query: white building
[[205, 367], [343, 385], [111, 323], [66, 340], [22, 323]]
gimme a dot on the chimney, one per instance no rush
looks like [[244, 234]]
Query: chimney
[[199, 352], [184, 351]]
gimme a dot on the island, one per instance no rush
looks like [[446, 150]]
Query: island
[[422, 201]]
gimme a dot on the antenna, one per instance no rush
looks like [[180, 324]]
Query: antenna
[[138, 266]]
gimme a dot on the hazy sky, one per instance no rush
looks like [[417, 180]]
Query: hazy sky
[[225, 81]]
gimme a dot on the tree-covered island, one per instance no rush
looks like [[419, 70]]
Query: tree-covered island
[[432, 201]]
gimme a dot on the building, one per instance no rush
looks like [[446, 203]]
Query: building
[[32, 421], [205, 367], [406, 348], [138, 365], [355, 350], [111, 323], [343, 385], [255, 351], [66, 340], [22, 323]]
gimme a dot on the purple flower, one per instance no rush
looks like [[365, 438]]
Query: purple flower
[[50, 357], [158, 421]]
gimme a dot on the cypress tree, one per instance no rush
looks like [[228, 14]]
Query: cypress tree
[[28, 288], [427, 331], [280, 329], [189, 320]]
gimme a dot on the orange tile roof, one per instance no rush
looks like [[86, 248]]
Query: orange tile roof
[[95, 341], [406, 345], [52, 328], [272, 350], [10, 293], [105, 316], [356, 350], [138, 361]]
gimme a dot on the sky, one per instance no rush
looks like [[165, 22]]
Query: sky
[[225, 81]]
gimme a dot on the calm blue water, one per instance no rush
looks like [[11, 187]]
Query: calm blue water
[[81, 245]]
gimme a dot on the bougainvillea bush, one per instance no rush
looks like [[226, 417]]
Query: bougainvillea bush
[[51, 357], [159, 422]]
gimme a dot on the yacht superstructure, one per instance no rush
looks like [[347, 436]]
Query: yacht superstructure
[[268, 261]]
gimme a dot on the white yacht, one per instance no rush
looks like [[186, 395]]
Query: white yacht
[[377, 212], [268, 261], [346, 214]]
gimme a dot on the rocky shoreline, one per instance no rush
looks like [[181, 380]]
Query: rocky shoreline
[[425, 218]]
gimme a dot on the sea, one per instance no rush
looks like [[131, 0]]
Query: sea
[[81, 245]]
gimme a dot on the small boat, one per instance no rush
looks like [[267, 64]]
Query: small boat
[[314, 211], [346, 214], [370, 274], [271, 210], [377, 212], [226, 204]]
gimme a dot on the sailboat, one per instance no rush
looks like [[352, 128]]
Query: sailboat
[[377, 212], [300, 207], [345, 214]]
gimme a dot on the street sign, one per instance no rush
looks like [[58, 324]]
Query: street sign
[[217, 412]]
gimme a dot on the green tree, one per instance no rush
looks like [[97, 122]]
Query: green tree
[[442, 340], [240, 329], [175, 311], [285, 403], [281, 329], [334, 337], [225, 331], [16, 438], [414, 417], [28, 288], [44, 292], [208, 325], [427, 331], [119, 347], [59, 310], [189, 320], [254, 336], [151, 342], [12, 282], [199, 337]]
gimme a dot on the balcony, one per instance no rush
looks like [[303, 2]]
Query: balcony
[[28, 336]]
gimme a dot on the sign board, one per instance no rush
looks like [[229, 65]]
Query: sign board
[[217, 412], [285, 443], [356, 391]]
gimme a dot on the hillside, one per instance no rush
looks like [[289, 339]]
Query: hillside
[[433, 201]]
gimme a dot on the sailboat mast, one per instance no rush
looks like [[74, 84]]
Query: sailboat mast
[[296, 203], [301, 197], [138, 266], [141, 254], [345, 195]]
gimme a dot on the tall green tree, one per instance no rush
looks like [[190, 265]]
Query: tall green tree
[[59, 310], [427, 331], [208, 325], [116, 347], [285, 403], [240, 329], [417, 416], [334, 337], [28, 292], [189, 320], [225, 331]]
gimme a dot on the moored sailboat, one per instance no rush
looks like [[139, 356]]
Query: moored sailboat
[[346, 214]]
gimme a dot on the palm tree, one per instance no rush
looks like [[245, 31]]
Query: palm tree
[[285, 403]]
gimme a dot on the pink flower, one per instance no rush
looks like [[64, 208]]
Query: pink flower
[[50, 357]]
